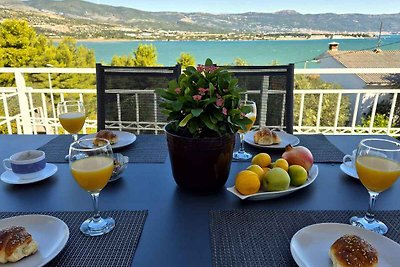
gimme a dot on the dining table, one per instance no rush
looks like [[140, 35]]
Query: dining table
[[178, 226]]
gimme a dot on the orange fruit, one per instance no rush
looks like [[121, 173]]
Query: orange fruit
[[282, 163], [262, 160], [247, 182]]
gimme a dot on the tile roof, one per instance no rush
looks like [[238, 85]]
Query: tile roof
[[371, 59]]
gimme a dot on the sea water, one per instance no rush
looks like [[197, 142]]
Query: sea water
[[300, 52]]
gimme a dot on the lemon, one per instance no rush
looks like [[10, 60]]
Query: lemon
[[298, 175], [261, 159], [282, 163], [257, 169], [247, 182]]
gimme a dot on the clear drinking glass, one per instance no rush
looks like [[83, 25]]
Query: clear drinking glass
[[92, 167], [252, 115], [378, 167], [71, 115]]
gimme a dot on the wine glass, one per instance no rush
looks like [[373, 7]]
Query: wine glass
[[71, 115], [378, 167], [92, 167], [241, 154]]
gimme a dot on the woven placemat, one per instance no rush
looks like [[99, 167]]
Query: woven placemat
[[147, 148], [322, 150], [115, 248], [262, 237]]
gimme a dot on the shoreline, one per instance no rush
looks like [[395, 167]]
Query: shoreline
[[104, 40]]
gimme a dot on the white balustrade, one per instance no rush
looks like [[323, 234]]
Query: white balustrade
[[32, 118]]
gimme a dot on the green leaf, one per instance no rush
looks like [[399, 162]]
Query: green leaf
[[177, 105], [207, 121], [168, 95], [246, 109], [172, 85], [211, 88], [185, 120], [197, 111], [209, 62]]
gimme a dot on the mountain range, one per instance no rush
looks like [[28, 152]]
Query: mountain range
[[75, 16]]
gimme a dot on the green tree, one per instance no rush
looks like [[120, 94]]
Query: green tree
[[311, 101], [186, 60], [144, 56], [20, 46], [240, 62]]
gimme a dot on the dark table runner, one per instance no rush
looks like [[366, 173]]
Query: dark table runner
[[146, 149], [262, 237], [116, 248], [322, 150]]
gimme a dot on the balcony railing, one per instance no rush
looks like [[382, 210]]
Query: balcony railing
[[27, 110]]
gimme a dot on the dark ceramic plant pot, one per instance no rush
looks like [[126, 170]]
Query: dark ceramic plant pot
[[200, 164]]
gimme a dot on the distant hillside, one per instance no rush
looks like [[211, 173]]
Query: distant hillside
[[73, 17]]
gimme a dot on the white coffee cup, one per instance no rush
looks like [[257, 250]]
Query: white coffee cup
[[350, 160], [25, 163]]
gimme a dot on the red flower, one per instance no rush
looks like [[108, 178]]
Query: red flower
[[197, 97]]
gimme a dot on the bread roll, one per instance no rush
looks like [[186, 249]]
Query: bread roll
[[351, 250], [265, 136], [15, 244], [105, 134]]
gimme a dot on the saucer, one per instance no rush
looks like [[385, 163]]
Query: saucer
[[350, 171], [11, 178]]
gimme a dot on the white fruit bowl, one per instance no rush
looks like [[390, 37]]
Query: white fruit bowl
[[312, 175]]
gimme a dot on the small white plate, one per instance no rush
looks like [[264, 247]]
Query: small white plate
[[286, 139], [310, 245], [350, 171], [312, 175], [50, 233], [124, 139], [11, 178]]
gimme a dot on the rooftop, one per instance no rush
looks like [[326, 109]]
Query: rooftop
[[371, 59]]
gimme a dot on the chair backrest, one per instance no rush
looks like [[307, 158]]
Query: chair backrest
[[126, 99], [271, 87]]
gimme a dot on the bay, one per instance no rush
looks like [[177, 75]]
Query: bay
[[263, 52]]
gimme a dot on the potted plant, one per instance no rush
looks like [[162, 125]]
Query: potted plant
[[204, 115]]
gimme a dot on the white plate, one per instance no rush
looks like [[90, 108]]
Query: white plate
[[269, 195], [286, 139], [350, 171], [49, 232], [11, 178], [310, 245], [124, 139]]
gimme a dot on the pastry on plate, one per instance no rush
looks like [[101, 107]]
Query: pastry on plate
[[265, 136], [352, 250], [15, 244], [105, 134]]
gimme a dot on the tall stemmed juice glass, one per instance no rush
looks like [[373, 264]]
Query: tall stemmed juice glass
[[378, 167], [71, 115], [92, 167], [241, 153]]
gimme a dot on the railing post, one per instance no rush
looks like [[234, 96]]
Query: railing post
[[23, 103]]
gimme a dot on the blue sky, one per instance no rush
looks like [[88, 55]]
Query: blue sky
[[266, 6]]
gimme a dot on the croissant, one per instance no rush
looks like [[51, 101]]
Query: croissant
[[265, 136], [105, 134], [15, 244]]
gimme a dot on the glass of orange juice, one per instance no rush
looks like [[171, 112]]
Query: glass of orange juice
[[71, 115], [92, 166], [252, 115], [378, 167]]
